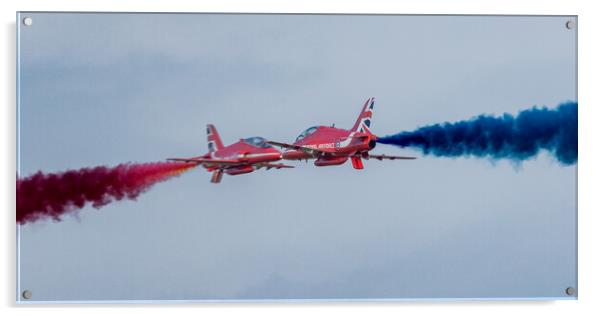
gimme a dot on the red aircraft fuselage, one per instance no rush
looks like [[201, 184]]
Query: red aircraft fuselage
[[332, 146], [245, 154], [242, 157], [339, 144]]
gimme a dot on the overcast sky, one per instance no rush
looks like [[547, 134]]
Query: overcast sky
[[102, 89]]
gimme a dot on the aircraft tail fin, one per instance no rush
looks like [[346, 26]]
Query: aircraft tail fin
[[363, 121], [214, 142]]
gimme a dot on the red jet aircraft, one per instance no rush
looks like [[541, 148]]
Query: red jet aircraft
[[333, 146], [244, 156]]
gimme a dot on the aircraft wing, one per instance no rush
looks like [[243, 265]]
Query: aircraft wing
[[276, 165], [382, 157], [208, 161], [307, 150]]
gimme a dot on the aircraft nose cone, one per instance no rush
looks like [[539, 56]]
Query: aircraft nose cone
[[290, 154], [275, 154]]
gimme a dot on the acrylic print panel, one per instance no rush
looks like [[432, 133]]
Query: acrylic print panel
[[486, 104]]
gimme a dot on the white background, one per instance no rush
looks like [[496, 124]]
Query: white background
[[589, 218]]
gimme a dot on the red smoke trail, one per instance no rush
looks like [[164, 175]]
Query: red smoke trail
[[52, 195]]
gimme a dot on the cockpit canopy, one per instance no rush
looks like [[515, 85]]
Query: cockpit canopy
[[307, 132], [257, 141]]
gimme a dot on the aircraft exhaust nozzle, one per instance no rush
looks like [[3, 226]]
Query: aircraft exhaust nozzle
[[372, 143]]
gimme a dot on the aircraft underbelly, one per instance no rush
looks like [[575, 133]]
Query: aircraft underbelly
[[239, 170], [330, 161]]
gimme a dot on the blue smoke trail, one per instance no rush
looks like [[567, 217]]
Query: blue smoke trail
[[516, 138]]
